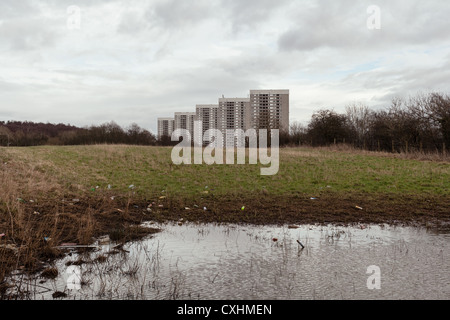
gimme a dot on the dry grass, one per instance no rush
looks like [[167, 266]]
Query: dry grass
[[28, 233], [37, 213], [411, 155]]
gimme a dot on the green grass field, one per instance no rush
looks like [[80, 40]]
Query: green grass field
[[302, 171]]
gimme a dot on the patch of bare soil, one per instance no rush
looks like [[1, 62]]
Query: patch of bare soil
[[328, 209]]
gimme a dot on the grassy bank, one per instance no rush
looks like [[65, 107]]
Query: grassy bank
[[150, 169], [50, 195], [134, 176]]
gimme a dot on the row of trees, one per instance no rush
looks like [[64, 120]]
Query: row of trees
[[17, 133], [419, 123]]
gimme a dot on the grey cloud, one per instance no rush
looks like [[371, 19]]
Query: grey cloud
[[234, 14], [131, 23], [28, 34], [260, 62], [6, 86], [17, 9], [250, 14], [336, 26], [175, 14], [329, 25], [165, 22], [416, 78], [396, 82], [25, 26]]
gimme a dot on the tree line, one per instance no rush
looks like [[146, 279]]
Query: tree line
[[18, 133], [420, 123]]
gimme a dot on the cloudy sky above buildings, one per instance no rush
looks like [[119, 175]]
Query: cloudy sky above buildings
[[134, 61]]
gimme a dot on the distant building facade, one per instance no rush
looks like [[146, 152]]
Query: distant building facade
[[208, 114], [165, 127], [185, 120], [232, 115], [262, 109], [269, 109]]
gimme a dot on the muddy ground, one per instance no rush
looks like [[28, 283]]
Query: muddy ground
[[80, 220], [327, 209]]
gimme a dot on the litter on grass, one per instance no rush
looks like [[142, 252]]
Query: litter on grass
[[104, 240]]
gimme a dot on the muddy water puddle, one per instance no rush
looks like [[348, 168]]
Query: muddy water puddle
[[210, 261]]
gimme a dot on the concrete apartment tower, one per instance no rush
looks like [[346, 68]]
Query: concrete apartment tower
[[233, 114], [263, 109], [165, 127], [269, 109], [185, 120], [207, 113]]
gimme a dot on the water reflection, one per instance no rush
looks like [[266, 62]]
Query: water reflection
[[208, 261]]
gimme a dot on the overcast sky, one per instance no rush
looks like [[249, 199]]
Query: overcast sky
[[134, 61]]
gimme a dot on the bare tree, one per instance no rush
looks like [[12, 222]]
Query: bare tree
[[439, 113], [358, 116], [297, 133], [6, 136]]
